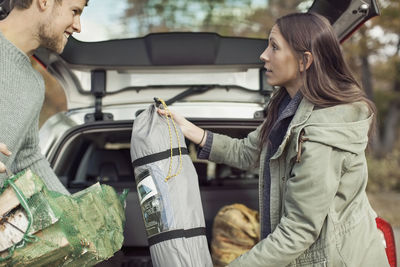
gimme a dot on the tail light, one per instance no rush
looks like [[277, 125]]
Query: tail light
[[390, 245]]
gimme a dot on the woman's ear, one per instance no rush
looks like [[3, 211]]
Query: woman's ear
[[306, 61]]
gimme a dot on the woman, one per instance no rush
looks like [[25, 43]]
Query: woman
[[310, 150]]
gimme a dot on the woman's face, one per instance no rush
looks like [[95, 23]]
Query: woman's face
[[281, 64]]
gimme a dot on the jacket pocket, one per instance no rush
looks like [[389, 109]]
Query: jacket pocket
[[360, 244]]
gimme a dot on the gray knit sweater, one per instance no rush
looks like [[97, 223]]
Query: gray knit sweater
[[21, 99]]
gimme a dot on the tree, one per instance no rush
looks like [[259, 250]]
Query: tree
[[374, 56], [227, 17]]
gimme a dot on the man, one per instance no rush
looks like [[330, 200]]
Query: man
[[30, 24]]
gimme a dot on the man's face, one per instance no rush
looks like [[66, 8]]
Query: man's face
[[62, 21]]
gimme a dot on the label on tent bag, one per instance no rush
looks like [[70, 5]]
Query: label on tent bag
[[154, 207]]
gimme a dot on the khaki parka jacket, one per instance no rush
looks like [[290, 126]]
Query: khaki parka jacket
[[319, 211]]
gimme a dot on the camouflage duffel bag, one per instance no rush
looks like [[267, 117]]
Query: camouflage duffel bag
[[236, 230]]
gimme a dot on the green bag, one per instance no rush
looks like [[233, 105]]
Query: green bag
[[39, 227]]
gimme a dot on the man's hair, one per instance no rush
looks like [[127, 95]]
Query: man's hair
[[20, 4], [24, 4]]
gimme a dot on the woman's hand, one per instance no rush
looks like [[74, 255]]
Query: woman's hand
[[189, 130], [5, 151], [179, 119]]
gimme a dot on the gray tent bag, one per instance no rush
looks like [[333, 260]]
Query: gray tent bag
[[171, 208]]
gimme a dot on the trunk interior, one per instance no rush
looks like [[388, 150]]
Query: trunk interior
[[100, 152]]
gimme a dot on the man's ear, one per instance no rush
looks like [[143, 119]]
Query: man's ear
[[43, 4], [306, 61]]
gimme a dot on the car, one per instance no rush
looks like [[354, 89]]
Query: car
[[215, 81]]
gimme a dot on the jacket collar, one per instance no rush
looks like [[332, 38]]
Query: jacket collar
[[291, 108]]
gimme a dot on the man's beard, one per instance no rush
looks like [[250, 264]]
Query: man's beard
[[50, 41]]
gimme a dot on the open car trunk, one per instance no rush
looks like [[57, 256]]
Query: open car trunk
[[99, 152]]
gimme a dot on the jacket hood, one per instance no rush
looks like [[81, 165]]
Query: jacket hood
[[343, 126]]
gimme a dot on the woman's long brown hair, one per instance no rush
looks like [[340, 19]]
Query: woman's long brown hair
[[328, 81]]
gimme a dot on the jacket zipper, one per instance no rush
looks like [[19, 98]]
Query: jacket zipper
[[301, 141]]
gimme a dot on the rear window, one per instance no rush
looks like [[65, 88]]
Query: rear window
[[110, 19]]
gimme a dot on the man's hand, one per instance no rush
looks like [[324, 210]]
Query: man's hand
[[5, 151]]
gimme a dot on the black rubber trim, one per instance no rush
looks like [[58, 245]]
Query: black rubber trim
[[166, 49], [159, 156], [177, 234]]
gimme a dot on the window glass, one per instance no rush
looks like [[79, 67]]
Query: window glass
[[110, 19]]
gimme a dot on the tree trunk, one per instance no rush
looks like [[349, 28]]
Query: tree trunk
[[366, 77], [366, 81], [390, 128], [393, 116]]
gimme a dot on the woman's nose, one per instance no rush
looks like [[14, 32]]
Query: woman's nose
[[264, 56]]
